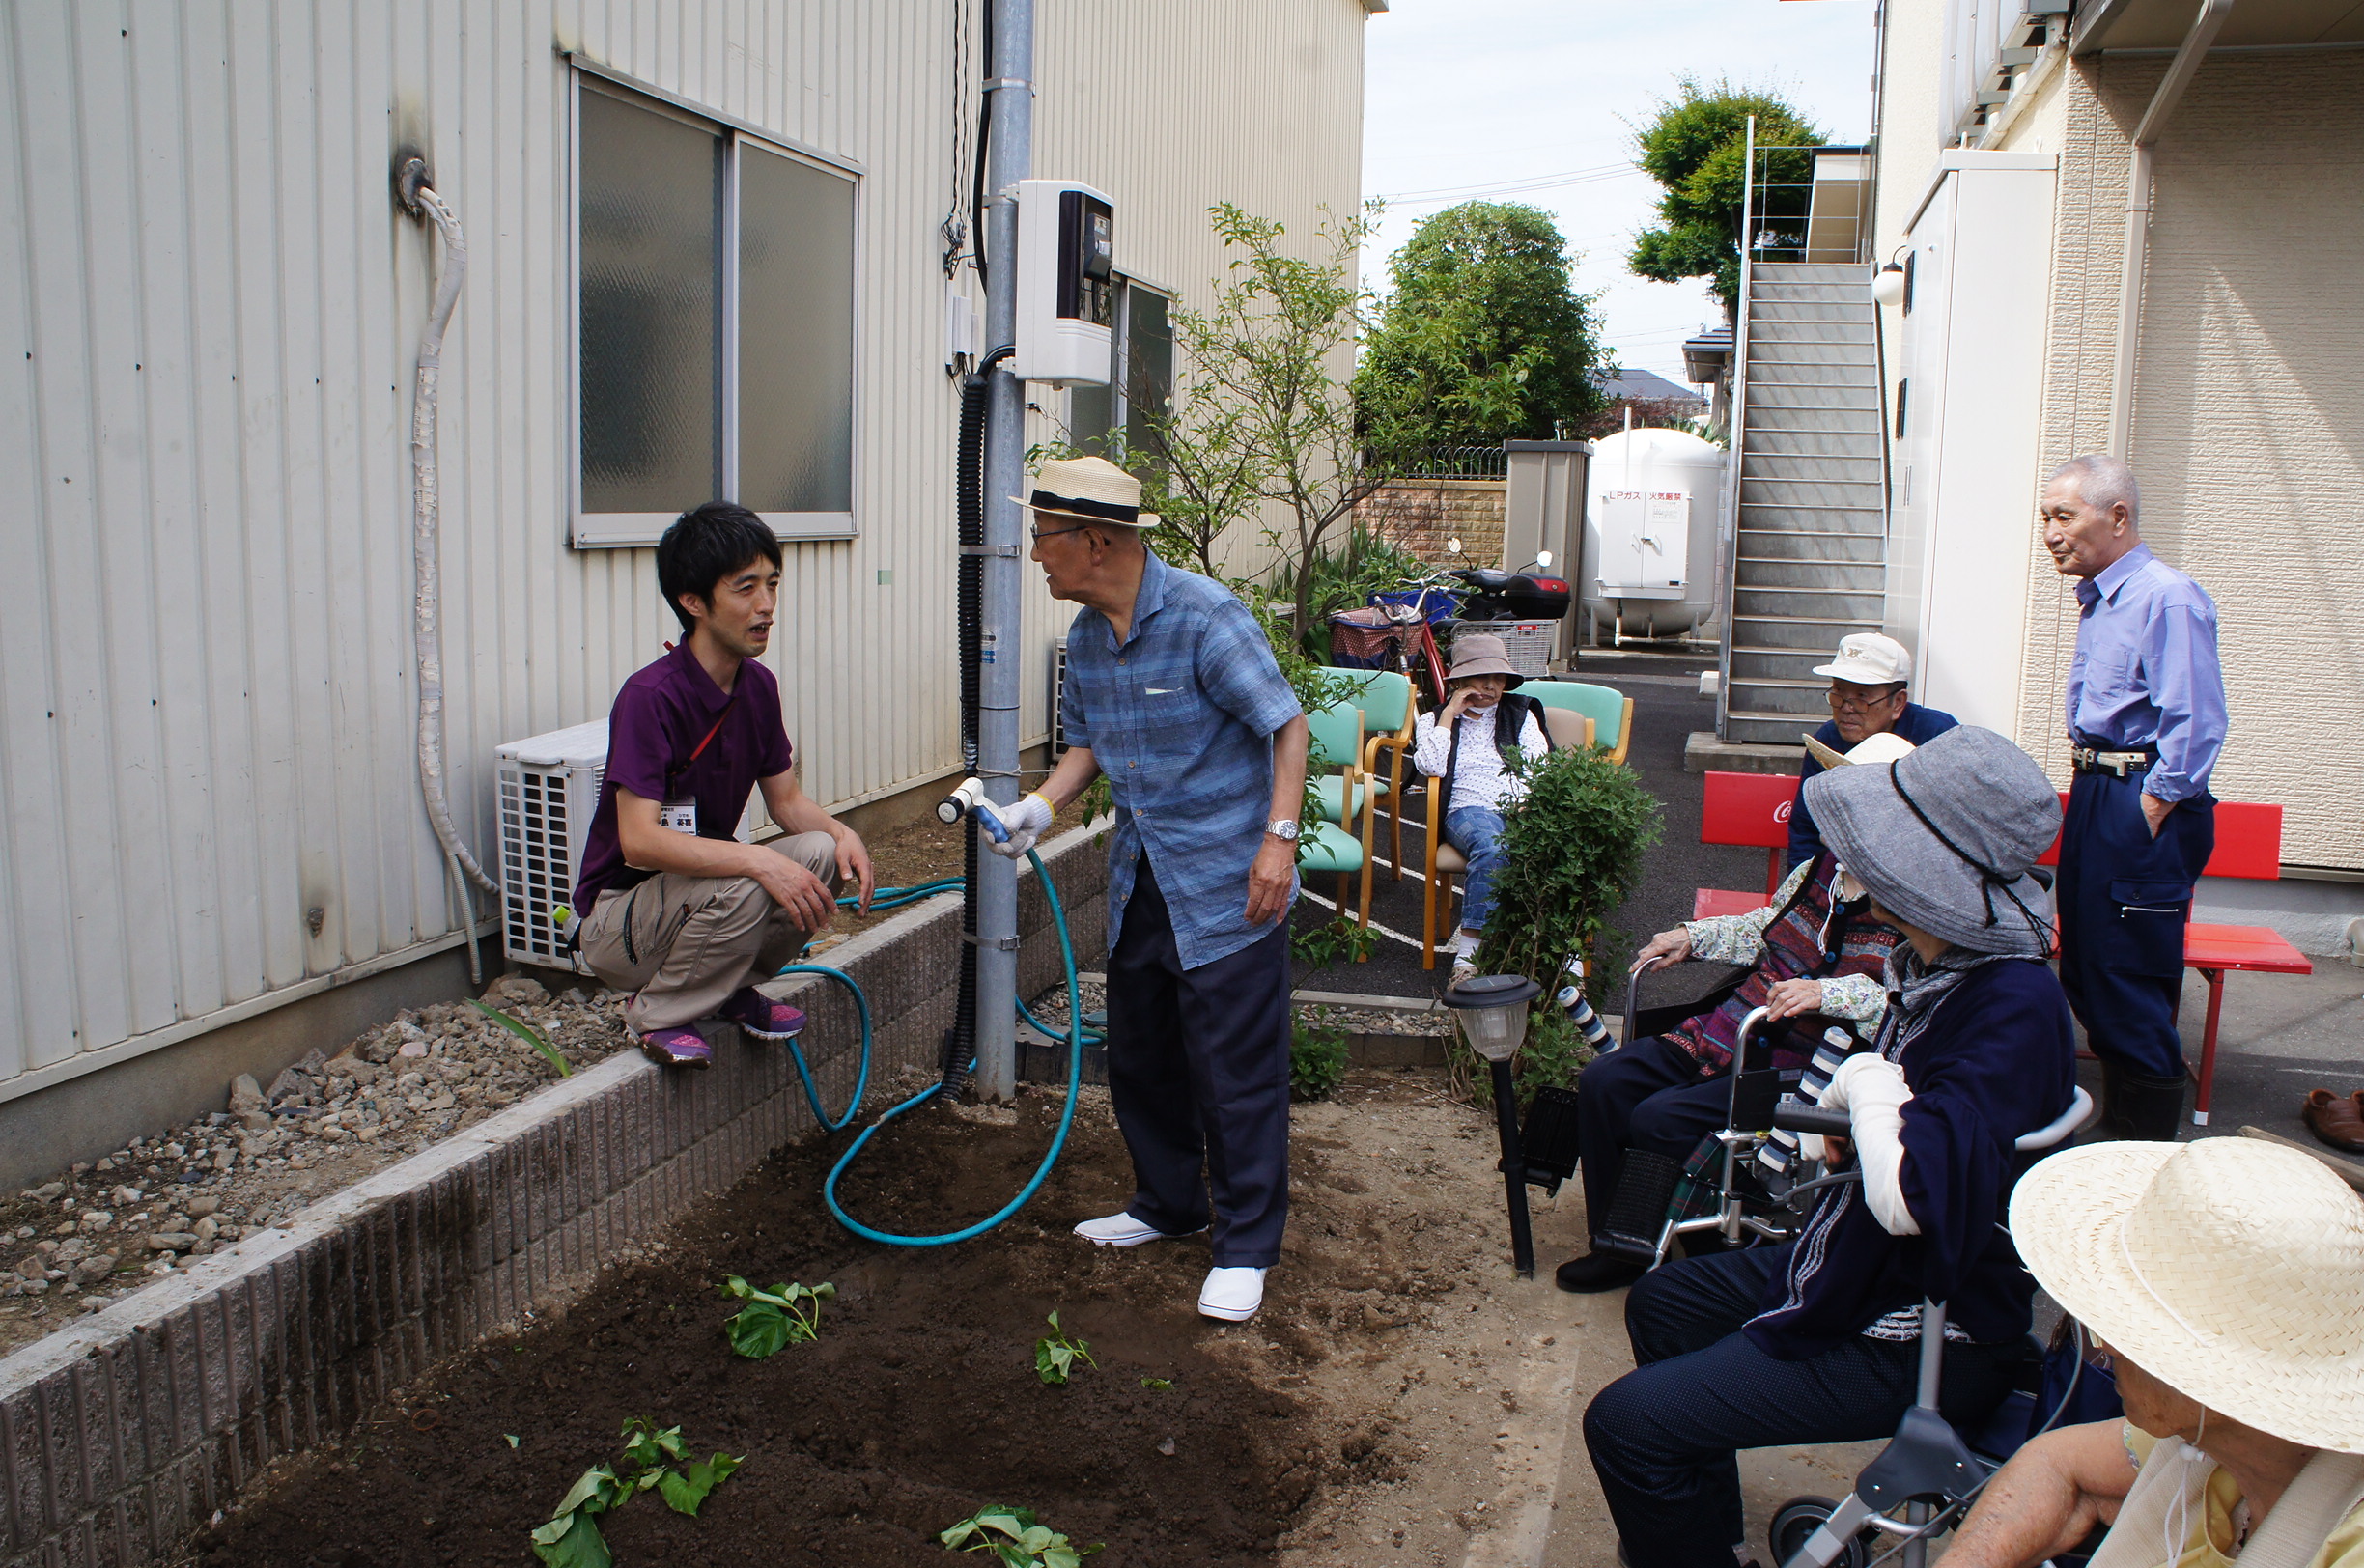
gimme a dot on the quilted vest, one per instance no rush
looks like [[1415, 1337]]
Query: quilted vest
[[1795, 947]]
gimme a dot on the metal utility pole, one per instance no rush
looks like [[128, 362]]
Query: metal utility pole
[[1010, 148]]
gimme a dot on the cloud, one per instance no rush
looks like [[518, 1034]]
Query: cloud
[[1482, 93]]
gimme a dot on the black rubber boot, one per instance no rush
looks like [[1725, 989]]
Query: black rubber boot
[[1589, 1272], [2140, 1108]]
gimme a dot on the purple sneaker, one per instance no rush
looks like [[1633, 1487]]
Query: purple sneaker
[[762, 1016], [677, 1048]]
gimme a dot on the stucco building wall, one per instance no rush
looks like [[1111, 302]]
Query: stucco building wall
[[2248, 423]]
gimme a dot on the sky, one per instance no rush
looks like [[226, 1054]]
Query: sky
[[1463, 93]]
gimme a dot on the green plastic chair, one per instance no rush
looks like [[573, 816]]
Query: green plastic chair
[[1333, 844], [1389, 707], [1610, 710]]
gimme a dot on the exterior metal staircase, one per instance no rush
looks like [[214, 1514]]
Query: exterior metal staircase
[[1809, 562]]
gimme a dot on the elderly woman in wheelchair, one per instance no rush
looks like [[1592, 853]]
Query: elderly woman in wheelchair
[[1815, 955], [1819, 1339]]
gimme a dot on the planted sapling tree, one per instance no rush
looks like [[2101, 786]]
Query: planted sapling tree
[[1056, 1354], [784, 1315], [653, 1459], [1014, 1538]]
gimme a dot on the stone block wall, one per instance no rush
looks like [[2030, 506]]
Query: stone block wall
[[1419, 514]]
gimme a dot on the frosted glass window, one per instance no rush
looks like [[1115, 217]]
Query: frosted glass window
[[650, 192], [715, 356], [1148, 368], [796, 335]]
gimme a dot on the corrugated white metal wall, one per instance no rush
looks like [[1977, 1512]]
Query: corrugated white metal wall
[[209, 306]]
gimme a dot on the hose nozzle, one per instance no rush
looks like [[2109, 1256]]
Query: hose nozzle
[[968, 799]]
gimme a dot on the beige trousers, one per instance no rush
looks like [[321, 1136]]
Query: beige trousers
[[682, 944]]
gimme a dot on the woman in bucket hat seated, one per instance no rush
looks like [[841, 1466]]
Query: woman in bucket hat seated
[[2226, 1280], [1816, 956], [1464, 749], [1816, 1341]]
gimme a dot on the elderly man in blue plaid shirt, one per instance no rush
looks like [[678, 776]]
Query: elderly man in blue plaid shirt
[[1172, 693]]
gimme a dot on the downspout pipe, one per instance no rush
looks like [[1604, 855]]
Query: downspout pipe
[[2137, 251], [423, 202]]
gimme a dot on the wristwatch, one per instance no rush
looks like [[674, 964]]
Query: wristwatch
[[1284, 829]]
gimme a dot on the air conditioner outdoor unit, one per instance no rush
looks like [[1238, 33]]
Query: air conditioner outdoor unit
[[550, 788]]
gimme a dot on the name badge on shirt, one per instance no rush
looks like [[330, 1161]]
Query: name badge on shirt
[[679, 815]]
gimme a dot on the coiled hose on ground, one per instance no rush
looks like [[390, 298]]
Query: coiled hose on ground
[[1077, 1039]]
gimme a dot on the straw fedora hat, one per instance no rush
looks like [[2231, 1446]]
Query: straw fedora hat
[[1093, 490], [2230, 1268], [1883, 748]]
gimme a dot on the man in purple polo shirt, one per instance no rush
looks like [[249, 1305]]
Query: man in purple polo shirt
[[680, 912]]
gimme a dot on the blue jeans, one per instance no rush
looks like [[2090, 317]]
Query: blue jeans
[[1477, 832]]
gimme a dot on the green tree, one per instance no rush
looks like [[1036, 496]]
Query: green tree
[[1259, 423], [1484, 338], [1696, 147]]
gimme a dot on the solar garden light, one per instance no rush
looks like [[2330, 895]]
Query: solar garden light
[[1491, 1010]]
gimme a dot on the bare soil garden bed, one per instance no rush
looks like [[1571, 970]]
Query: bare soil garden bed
[[1357, 1408]]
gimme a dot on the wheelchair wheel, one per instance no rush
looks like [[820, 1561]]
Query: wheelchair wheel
[[1797, 1519]]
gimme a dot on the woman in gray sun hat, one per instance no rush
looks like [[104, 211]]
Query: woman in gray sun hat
[[1814, 1341]]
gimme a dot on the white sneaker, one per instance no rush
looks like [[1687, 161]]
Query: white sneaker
[[1123, 1230], [1232, 1295], [1462, 970]]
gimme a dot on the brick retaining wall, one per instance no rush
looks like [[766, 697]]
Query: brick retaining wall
[[121, 1433]]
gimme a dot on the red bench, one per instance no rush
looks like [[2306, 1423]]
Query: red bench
[[1754, 809], [2248, 845], [1751, 809]]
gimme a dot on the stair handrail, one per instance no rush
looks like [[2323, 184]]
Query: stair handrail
[[1736, 434]]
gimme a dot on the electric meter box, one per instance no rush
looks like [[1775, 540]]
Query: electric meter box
[[1066, 282]]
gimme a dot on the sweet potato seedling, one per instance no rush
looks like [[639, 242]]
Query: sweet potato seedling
[[653, 1458], [1015, 1539], [1056, 1354], [784, 1315], [529, 1034]]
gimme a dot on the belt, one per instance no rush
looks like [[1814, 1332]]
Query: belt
[[2123, 764]]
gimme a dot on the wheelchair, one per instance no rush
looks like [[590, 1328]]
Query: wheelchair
[[1752, 1206], [1928, 1469]]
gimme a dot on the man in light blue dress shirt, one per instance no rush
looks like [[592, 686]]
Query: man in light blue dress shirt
[[2146, 716], [1172, 694]]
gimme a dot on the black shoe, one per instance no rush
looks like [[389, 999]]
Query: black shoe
[[2136, 1106], [1589, 1272]]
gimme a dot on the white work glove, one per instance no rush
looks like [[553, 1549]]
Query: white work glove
[[1872, 1090], [1027, 821]]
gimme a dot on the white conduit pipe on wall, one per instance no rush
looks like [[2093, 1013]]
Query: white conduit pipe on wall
[[426, 519], [2137, 254]]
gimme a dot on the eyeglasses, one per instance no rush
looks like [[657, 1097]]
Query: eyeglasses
[[1857, 704], [1041, 534]]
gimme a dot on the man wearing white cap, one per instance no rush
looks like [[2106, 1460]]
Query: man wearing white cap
[[2225, 1278], [1866, 698]]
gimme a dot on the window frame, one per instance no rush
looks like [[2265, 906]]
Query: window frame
[[1120, 351], [633, 530]]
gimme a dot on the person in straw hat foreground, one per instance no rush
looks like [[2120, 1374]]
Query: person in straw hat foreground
[[1172, 694], [1816, 1341], [2225, 1280], [1464, 748]]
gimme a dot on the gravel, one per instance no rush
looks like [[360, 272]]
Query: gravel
[[108, 1226]]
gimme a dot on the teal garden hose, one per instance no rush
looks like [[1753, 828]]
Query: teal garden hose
[[1077, 1040]]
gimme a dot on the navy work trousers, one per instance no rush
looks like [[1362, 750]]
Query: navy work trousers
[[1663, 1436], [1647, 1095], [1199, 1074], [2124, 898]]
